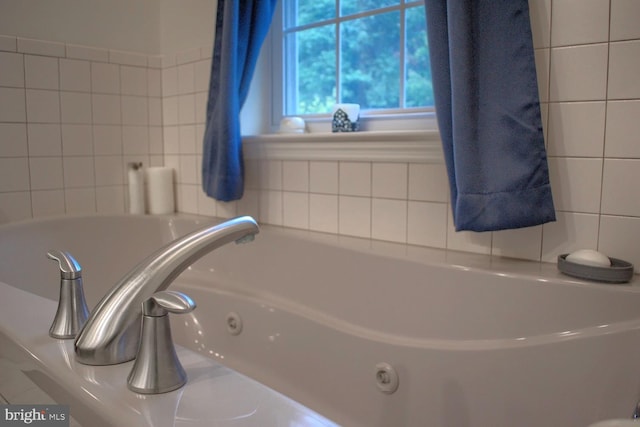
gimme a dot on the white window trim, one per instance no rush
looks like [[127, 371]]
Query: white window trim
[[374, 146]]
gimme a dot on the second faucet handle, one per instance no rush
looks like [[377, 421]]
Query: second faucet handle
[[157, 368], [72, 310]]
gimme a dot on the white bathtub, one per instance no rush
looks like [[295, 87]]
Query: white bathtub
[[475, 341]]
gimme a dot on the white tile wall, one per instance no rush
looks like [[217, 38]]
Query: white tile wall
[[71, 117], [154, 108]]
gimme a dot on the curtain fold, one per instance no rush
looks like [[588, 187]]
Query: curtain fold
[[488, 112], [241, 27]]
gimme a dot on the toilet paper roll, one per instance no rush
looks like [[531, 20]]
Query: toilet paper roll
[[136, 189], [160, 188]]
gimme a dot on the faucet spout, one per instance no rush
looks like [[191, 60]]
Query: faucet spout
[[111, 335]]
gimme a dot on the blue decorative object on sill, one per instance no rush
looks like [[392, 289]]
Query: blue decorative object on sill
[[346, 118]]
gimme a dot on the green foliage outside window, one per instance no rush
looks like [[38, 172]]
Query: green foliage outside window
[[369, 58]]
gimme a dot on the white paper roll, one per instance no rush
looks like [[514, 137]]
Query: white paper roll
[[136, 190], [160, 188]]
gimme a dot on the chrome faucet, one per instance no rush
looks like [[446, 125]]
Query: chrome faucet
[[111, 335]]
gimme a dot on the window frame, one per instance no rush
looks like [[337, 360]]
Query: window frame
[[401, 119]]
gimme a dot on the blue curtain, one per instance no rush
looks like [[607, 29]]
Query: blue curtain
[[241, 27], [488, 110]]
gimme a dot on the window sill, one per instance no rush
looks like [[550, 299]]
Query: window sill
[[382, 146]]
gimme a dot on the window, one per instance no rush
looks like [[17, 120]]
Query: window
[[370, 52]]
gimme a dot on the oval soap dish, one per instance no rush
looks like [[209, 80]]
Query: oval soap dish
[[620, 271]]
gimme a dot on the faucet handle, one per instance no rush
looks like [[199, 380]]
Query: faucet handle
[[69, 267], [72, 310], [157, 368], [164, 302]]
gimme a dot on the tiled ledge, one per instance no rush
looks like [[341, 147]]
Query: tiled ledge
[[387, 146]]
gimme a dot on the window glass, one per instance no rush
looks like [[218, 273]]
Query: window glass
[[374, 54], [349, 7], [370, 61], [418, 85], [310, 76], [303, 12]]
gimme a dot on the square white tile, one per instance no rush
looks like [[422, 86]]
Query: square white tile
[[170, 111], [12, 105], [323, 212], [624, 19], [187, 136], [354, 216], [107, 140], [154, 82], [270, 207], [133, 80], [295, 210], [427, 224], [46, 173], [202, 75], [109, 170], [620, 187], [619, 237], [578, 73], [77, 140], [80, 200], [76, 107], [43, 106], [106, 109], [623, 128], [105, 78], [295, 175], [187, 173], [186, 79], [135, 140], [389, 220], [170, 81], [271, 175], [390, 180], [186, 109], [47, 203], [11, 69], [354, 179], [15, 206], [155, 111], [110, 199], [135, 110], [78, 172], [44, 139], [428, 182], [323, 177], [75, 75], [624, 69], [13, 140], [579, 22], [171, 140], [14, 174], [576, 183], [249, 204], [576, 129]]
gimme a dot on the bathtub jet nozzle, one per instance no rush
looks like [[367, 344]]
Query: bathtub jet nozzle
[[111, 335]]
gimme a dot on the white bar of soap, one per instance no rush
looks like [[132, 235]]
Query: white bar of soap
[[589, 257]]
